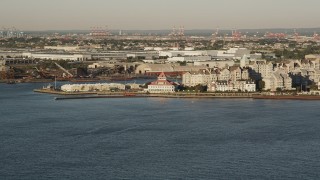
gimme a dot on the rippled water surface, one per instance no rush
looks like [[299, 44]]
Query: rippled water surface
[[156, 138]]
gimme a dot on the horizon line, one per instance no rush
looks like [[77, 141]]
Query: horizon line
[[193, 29]]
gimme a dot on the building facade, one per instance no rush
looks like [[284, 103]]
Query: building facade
[[162, 85], [198, 78], [229, 86], [278, 80]]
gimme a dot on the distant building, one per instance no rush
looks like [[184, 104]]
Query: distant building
[[162, 85], [182, 53], [188, 59], [10, 54], [151, 61], [122, 55], [64, 48], [154, 68], [312, 56], [216, 64], [58, 56], [232, 53]]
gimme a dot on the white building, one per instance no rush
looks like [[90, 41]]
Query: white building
[[71, 57], [162, 85], [219, 86], [92, 87], [189, 48], [244, 61], [244, 86], [188, 59], [182, 53], [206, 76], [64, 48], [232, 53], [167, 68], [260, 69], [236, 86]]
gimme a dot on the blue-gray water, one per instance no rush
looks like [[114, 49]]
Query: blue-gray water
[[41, 138]]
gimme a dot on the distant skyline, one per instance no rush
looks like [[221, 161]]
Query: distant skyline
[[158, 14]]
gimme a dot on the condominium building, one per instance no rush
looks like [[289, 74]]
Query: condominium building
[[278, 80], [198, 78]]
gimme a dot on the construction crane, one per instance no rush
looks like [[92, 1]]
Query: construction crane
[[44, 74], [316, 36], [236, 36], [296, 35], [214, 36], [270, 35], [63, 69]]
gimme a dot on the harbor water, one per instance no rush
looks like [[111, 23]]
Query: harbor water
[[144, 138]]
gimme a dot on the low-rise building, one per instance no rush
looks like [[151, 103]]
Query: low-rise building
[[232, 53], [188, 59], [106, 55], [166, 68], [58, 56], [235, 86], [182, 53], [64, 48], [220, 86], [216, 64], [92, 87], [154, 61]]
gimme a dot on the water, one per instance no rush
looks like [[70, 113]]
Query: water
[[41, 138]]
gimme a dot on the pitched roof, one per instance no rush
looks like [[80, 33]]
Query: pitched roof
[[162, 75], [234, 68]]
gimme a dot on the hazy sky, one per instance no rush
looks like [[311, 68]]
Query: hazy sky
[[158, 14]]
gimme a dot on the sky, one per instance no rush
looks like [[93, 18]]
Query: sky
[[158, 14]]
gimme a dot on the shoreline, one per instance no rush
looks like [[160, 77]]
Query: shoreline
[[95, 95], [150, 96], [288, 97]]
